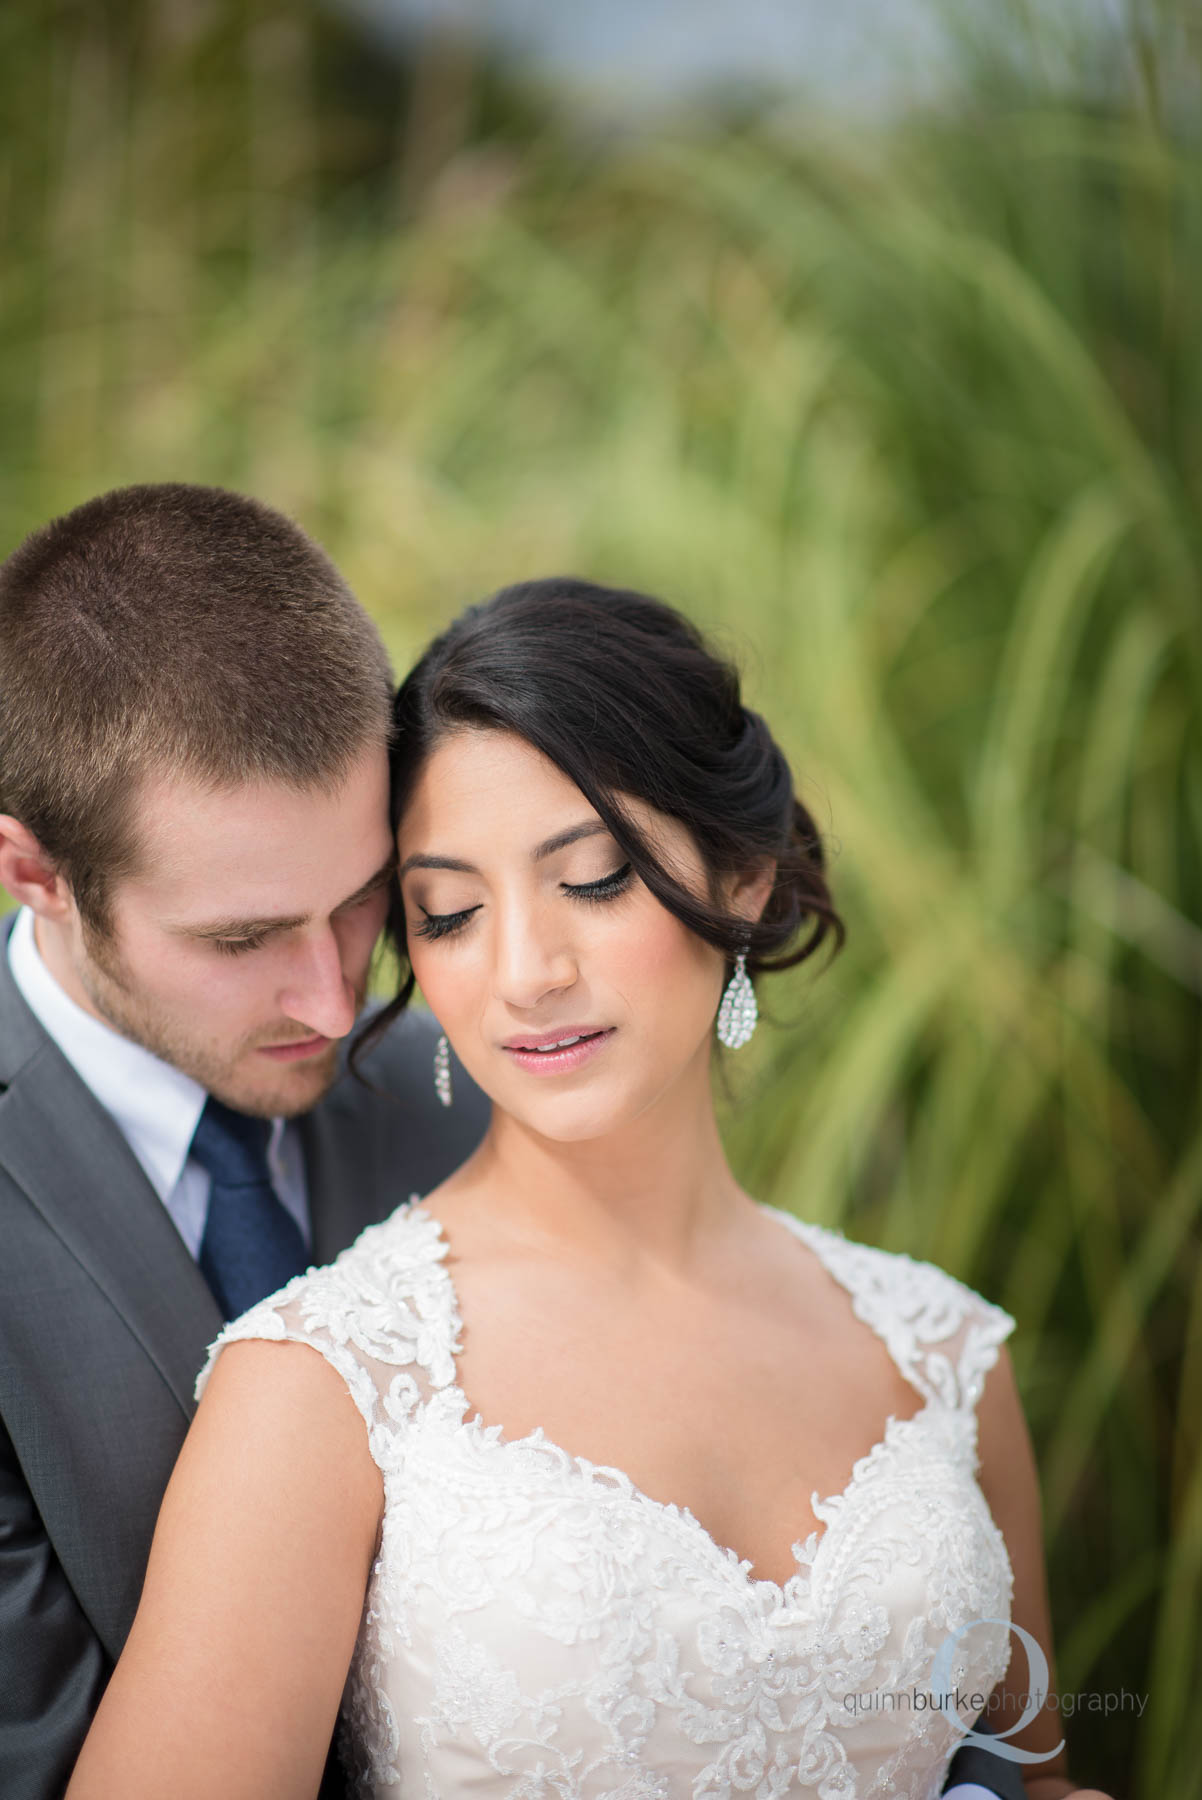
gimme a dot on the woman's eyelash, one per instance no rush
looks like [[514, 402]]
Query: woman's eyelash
[[436, 925], [605, 889], [608, 887]]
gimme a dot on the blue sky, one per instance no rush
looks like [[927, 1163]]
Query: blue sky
[[631, 55]]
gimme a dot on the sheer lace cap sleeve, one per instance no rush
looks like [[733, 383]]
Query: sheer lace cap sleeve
[[942, 1334], [379, 1314]]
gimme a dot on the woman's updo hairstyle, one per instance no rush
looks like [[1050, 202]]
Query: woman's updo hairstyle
[[620, 692]]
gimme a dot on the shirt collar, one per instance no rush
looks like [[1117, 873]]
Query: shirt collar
[[157, 1107]]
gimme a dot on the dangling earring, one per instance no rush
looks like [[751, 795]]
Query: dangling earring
[[442, 1070], [738, 1012]]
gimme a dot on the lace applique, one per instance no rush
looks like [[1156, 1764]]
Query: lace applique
[[942, 1335], [536, 1627], [382, 1306]]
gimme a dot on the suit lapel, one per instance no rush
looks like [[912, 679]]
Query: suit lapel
[[62, 1148], [343, 1185], [72, 1162]]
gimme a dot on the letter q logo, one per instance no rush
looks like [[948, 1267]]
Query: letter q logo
[[1037, 1682]]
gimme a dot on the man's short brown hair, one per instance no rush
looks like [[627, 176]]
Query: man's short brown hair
[[174, 629]]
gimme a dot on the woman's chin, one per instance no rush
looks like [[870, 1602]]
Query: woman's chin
[[571, 1125], [570, 1118], [582, 1111]]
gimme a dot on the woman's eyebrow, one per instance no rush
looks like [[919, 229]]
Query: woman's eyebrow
[[588, 828], [561, 840], [421, 861]]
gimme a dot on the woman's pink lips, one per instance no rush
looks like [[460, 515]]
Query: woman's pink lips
[[293, 1052], [560, 1062]]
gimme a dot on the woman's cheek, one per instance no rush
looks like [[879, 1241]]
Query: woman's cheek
[[657, 954], [452, 975], [435, 990]]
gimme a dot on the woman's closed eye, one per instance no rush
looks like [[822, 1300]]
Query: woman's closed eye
[[606, 887]]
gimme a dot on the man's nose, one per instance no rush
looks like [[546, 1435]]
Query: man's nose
[[319, 993]]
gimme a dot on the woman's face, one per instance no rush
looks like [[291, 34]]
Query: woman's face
[[526, 927]]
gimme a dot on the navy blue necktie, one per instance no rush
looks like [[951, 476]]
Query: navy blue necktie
[[252, 1245]]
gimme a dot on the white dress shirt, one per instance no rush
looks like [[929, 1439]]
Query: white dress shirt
[[156, 1107]]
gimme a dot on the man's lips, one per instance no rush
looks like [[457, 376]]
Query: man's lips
[[295, 1052]]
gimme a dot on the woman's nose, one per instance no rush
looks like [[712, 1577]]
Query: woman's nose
[[531, 962]]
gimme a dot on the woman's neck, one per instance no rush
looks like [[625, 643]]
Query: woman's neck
[[656, 1190]]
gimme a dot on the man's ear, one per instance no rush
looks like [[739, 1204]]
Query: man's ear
[[28, 873], [748, 892]]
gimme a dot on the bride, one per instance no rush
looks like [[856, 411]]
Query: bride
[[604, 1480]]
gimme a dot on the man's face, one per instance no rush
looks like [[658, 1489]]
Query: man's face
[[239, 951]]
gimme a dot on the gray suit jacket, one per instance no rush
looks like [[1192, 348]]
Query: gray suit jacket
[[104, 1323]]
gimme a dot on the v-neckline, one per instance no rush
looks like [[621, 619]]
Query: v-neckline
[[584, 1467]]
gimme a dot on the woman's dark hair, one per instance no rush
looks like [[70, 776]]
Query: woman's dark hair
[[622, 694]]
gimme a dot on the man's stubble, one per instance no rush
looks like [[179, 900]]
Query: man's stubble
[[116, 996]]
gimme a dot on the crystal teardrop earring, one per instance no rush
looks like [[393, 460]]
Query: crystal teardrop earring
[[442, 1070], [738, 1012]]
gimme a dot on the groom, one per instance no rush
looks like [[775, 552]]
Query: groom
[[194, 714]]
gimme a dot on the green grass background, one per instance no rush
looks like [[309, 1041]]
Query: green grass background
[[909, 417]]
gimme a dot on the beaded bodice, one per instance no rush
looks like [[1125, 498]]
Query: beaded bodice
[[537, 1628]]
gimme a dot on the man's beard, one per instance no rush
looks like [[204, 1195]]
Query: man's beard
[[116, 997]]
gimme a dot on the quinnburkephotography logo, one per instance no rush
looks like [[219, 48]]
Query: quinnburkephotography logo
[[946, 1696], [1037, 1686]]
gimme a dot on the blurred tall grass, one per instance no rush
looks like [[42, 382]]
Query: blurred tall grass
[[912, 420]]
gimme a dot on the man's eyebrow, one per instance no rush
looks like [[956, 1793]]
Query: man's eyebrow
[[373, 883], [561, 840], [240, 928]]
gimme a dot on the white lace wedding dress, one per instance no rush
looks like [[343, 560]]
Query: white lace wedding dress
[[537, 1628]]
